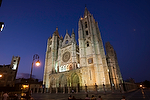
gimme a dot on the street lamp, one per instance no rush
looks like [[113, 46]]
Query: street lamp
[[35, 57], [37, 63], [1, 75]]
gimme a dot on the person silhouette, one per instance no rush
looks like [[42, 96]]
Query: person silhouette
[[5, 96], [99, 98], [87, 97], [93, 98]]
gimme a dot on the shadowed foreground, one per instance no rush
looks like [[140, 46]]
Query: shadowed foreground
[[136, 95]]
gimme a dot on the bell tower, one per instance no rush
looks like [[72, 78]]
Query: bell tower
[[51, 56], [114, 70], [91, 49]]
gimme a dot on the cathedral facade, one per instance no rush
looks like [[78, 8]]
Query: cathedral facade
[[83, 67]]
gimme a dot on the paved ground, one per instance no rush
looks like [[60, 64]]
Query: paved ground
[[141, 94], [136, 95]]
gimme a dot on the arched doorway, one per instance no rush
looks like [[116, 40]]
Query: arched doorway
[[62, 84], [53, 85], [75, 84]]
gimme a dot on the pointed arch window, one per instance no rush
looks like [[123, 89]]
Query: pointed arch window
[[87, 33], [87, 43], [50, 42], [50, 49], [66, 42], [85, 24]]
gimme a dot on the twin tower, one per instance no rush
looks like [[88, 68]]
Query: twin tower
[[83, 67]]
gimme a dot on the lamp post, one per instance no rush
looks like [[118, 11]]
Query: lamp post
[[37, 63], [35, 57]]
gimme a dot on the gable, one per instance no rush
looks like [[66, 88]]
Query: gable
[[67, 40]]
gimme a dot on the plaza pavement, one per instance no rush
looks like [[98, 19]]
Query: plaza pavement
[[140, 94]]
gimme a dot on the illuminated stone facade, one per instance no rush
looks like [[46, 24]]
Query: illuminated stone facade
[[81, 68], [8, 72]]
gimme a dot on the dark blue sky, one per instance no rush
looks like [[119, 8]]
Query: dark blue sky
[[124, 23]]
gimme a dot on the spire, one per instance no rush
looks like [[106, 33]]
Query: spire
[[61, 37], [73, 31], [57, 28], [86, 12], [73, 34]]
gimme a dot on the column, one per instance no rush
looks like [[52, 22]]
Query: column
[[45, 90], [50, 91], [76, 89], [56, 90], [63, 90], [37, 90], [68, 90]]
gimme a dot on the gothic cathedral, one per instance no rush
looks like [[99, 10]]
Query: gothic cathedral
[[83, 67]]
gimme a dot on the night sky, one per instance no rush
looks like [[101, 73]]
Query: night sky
[[29, 23]]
